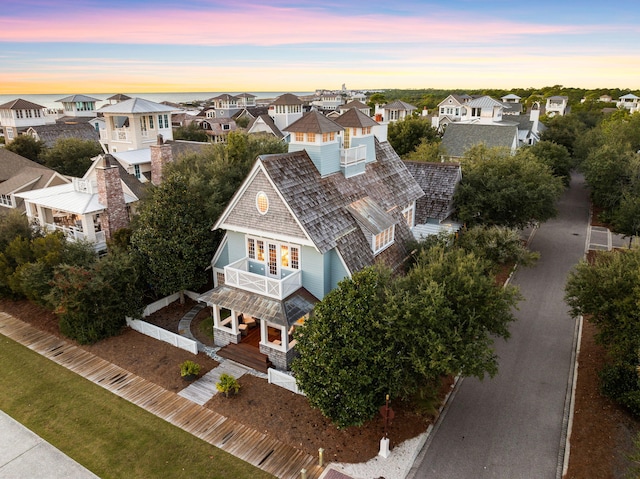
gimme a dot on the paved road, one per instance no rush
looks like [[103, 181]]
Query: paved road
[[514, 425]]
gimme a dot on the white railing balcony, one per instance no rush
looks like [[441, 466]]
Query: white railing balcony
[[120, 134], [353, 156], [237, 274], [76, 234]]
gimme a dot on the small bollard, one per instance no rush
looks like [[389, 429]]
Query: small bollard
[[303, 474], [321, 457]]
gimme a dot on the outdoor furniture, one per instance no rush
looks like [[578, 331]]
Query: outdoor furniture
[[243, 329], [249, 321]]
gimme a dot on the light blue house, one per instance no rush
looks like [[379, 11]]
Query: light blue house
[[337, 202]]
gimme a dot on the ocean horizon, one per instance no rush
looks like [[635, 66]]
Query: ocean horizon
[[49, 100]]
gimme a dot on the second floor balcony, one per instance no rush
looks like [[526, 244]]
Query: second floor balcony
[[238, 274]]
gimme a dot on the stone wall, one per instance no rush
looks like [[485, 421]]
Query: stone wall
[[110, 195]]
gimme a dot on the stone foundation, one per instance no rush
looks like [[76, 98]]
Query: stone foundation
[[279, 359], [223, 338]]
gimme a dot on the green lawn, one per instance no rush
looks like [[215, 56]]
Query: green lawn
[[108, 435]]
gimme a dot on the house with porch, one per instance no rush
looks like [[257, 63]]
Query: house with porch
[[629, 102], [77, 108], [338, 201], [90, 208], [18, 115], [134, 124], [19, 174], [557, 105]]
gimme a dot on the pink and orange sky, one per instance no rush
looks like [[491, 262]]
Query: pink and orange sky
[[91, 46]]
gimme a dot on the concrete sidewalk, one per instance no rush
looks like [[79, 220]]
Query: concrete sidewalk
[[25, 454]]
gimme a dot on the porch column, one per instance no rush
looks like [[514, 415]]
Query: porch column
[[234, 322], [264, 332], [87, 228], [216, 315], [284, 335]]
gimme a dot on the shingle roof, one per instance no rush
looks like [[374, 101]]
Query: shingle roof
[[268, 122], [136, 105], [438, 181], [20, 104], [321, 204], [49, 134], [354, 104], [119, 97], [512, 107], [399, 105], [313, 122], [287, 99], [74, 98], [459, 137], [354, 118], [17, 171]]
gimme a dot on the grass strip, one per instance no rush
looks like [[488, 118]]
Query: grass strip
[[105, 433]]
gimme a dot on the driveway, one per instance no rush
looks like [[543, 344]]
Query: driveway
[[514, 425]]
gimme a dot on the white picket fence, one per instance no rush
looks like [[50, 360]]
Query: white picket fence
[[166, 301], [283, 380], [154, 331]]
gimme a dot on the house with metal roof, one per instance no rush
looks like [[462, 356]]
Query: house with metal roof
[[557, 105], [630, 102], [134, 124], [338, 201], [90, 208], [19, 174], [77, 107], [18, 115]]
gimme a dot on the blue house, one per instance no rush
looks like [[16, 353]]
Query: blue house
[[338, 201]]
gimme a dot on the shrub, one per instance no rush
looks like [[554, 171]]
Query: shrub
[[228, 385], [189, 368]]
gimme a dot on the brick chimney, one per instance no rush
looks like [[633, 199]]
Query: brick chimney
[[160, 155], [110, 195]]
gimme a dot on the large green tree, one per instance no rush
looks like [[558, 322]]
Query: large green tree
[[406, 135], [191, 132], [556, 157], [71, 156], [93, 302], [347, 363], [27, 146], [499, 189], [607, 293]]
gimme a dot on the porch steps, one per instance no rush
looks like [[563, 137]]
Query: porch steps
[[247, 355]]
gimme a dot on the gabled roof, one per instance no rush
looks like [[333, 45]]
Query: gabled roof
[[438, 181], [313, 122], [49, 134], [354, 118], [287, 99], [136, 105], [459, 137], [74, 98], [399, 105], [20, 104], [370, 215], [17, 173], [269, 124]]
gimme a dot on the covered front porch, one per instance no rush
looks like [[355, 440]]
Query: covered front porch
[[258, 322]]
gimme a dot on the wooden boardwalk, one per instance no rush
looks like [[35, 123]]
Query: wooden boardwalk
[[256, 448]]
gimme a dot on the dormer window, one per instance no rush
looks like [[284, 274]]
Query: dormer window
[[299, 136], [262, 203], [409, 213], [383, 240], [328, 137], [311, 137]]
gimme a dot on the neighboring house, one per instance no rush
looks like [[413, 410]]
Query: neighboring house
[[134, 124], [117, 98], [557, 105], [49, 134], [484, 110], [449, 110], [301, 222], [226, 106], [459, 137], [77, 108], [285, 110], [355, 104], [328, 102], [91, 208], [629, 102], [394, 111], [264, 124], [19, 174], [217, 128], [511, 104], [18, 115], [435, 209]]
